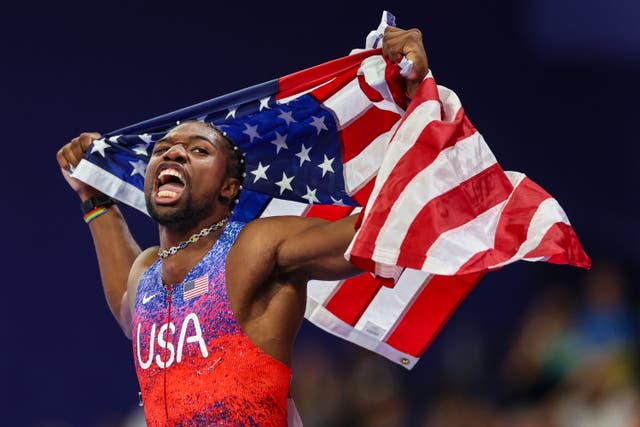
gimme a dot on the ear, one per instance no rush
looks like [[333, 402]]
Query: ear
[[230, 189]]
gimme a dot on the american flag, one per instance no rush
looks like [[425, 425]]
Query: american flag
[[196, 287], [329, 140]]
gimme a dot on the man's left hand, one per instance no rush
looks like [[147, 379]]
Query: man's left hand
[[408, 43]]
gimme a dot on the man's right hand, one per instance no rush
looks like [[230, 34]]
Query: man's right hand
[[70, 155]]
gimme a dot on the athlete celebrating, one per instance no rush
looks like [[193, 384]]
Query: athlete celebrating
[[214, 310]]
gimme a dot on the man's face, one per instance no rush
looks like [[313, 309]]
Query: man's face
[[186, 175]]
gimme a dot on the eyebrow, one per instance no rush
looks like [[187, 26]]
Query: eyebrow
[[170, 139]]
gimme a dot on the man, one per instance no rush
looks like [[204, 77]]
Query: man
[[214, 311]]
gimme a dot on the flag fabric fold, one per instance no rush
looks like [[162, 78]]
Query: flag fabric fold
[[333, 139], [442, 203]]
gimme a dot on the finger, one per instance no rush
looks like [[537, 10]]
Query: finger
[[62, 161], [76, 149], [81, 144], [391, 30], [69, 156], [391, 51], [87, 138], [393, 43]]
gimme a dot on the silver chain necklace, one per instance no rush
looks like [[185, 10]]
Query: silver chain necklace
[[163, 253]]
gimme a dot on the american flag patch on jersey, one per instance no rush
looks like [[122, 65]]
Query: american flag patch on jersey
[[195, 288]]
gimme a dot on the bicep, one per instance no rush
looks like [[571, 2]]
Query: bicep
[[140, 265], [316, 248]]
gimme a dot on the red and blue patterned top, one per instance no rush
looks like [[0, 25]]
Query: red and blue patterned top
[[195, 365]]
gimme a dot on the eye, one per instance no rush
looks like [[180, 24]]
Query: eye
[[160, 149], [200, 150]]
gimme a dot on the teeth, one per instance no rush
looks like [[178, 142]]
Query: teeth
[[171, 172], [166, 193]]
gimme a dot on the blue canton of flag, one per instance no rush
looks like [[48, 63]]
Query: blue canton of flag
[[291, 149]]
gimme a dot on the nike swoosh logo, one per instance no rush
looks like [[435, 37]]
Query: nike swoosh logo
[[147, 298]]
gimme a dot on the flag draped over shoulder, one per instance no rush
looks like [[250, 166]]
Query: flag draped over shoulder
[[333, 139]]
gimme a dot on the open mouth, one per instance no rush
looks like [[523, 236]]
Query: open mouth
[[170, 184]]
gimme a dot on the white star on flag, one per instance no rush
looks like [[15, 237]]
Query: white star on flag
[[304, 154], [252, 131], [264, 103], [326, 165], [141, 149], [232, 112], [311, 195], [285, 183], [287, 116], [337, 202], [260, 172], [114, 139], [99, 145], [280, 142], [139, 167], [147, 138], [318, 123]]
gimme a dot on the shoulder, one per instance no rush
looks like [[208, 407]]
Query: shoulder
[[142, 262]]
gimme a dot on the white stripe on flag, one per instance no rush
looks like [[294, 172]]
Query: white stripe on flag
[[348, 103], [404, 139], [363, 168], [389, 304], [280, 207], [110, 184], [548, 213], [453, 248], [450, 103], [454, 165], [323, 318], [320, 291]]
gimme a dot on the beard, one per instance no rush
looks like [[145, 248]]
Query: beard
[[182, 216]]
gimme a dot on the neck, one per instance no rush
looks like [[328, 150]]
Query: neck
[[172, 235], [176, 266]]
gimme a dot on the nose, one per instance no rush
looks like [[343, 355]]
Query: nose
[[177, 153]]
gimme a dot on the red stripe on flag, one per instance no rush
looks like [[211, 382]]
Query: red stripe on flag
[[561, 244], [513, 226], [370, 92], [325, 92], [428, 91], [396, 84], [361, 132], [451, 210], [362, 195], [304, 80], [430, 312], [353, 297], [329, 212]]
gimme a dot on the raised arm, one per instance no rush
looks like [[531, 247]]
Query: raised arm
[[398, 43], [316, 248], [304, 248], [115, 247]]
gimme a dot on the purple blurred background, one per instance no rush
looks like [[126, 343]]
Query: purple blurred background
[[550, 84]]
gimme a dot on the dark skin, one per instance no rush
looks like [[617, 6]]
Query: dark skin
[[272, 260]]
